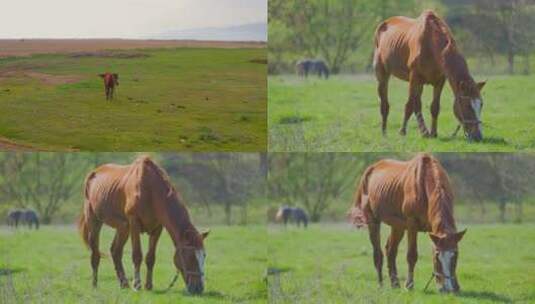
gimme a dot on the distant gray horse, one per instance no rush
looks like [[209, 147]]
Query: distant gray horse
[[314, 66], [13, 218], [295, 214], [28, 217]]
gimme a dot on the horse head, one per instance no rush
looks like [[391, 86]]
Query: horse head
[[189, 259], [445, 254], [467, 108]]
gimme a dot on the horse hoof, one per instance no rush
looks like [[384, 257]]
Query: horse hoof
[[395, 284], [402, 132], [148, 286], [409, 285], [136, 286], [124, 285]]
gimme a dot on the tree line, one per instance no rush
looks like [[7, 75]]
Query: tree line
[[51, 183], [341, 32], [324, 183]]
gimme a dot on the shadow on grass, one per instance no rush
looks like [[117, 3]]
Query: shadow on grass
[[486, 140], [294, 119], [485, 295], [10, 271], [278, 270]]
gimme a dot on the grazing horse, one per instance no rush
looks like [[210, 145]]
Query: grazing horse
[[110, 81], [422, 51], [134, 199], [414, 196], [30, 218], [297, 215], [13, 218], [306, 66]]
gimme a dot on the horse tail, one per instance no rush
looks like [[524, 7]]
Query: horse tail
[[356, 213], [87, 214], [88, 179], [381, 28], [83, 228]]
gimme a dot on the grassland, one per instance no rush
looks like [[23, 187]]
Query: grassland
[[342, 114], [195, 99], [52, 266], [333, 264]]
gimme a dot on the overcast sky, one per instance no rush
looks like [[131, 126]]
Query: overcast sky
[[122, 18]]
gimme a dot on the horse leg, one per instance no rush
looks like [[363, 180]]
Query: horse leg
[[414, 104], [416, 89], [375, 238], [435, 106], [121, 236], [94, 235], [396, 235], [382, 89], [412, 256], [137, 255], [151, 256]]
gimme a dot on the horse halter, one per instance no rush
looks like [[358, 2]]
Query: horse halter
[[186, 272], [463, 120], [435, 274]]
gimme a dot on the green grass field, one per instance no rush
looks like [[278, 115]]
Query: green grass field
[[342, 114], [168, 99], [333, 264], [52, 266]]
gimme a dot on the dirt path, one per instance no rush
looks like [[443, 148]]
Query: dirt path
[[26, 47], [7, 145]]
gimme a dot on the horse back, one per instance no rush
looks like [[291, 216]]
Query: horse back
[[405, 44], [385, 187], [104, 192]]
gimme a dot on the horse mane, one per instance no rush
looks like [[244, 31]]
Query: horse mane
[[435, 23], [175, 201], [445, 47], [434, 183]]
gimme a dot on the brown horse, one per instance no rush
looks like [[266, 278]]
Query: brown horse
[[423, 51], [415, 196], [134, 199], [110, 81]]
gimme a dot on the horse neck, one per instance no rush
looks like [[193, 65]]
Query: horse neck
[[455, 67], [440, 202], [176, 218], [440, 212]]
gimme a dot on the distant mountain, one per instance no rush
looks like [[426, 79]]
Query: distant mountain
[[245, 32]]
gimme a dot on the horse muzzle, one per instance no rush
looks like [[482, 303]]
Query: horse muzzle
[[195, 288], [476, 135], [450, 287]]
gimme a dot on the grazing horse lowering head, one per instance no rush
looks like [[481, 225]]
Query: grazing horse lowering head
[[110, 81], [189, 259], [467, 108], [445, 254]]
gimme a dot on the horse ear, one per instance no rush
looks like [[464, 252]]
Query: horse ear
[[436, 238], [459, 235], [480, 85], [205, 234]]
